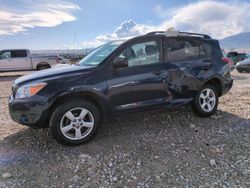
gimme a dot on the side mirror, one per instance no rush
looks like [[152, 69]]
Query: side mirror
[[120, 62]]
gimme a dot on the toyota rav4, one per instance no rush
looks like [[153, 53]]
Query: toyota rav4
[[153, 70]]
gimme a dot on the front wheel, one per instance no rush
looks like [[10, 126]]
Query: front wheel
[[74, 122], [206, 101]]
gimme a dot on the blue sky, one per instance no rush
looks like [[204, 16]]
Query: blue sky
[[44, 24]]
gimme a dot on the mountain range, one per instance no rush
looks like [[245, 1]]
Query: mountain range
[[239, 41]]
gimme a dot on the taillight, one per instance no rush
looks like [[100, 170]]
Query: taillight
[[228, 60]]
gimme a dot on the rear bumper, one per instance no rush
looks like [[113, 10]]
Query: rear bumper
[[29, 112], [227, 85]]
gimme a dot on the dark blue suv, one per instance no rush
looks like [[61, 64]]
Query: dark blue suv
[[153, 70]]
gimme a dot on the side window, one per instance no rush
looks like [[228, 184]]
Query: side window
[[208, 49], [19, 53], [182, 49], [141, 54], [5, 55], [203, 53]]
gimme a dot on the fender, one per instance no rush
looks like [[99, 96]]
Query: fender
[[96, 95]]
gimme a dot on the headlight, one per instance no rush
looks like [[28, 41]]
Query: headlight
[[29, 90]]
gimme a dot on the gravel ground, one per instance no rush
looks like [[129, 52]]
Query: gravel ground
[[151, 149], [14, 73]]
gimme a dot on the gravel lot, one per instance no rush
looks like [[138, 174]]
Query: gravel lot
[[151, 149], [14, 73]]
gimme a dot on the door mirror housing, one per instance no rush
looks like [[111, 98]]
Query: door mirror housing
[[120, 62]]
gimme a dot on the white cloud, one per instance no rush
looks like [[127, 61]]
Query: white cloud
[[219, 19], [161, 12], [126, 29], [41, 13], [216, 18]]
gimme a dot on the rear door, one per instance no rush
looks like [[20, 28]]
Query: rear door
[[20, 59], [187, 65], [142, 82]]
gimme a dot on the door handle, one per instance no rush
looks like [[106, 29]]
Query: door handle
[[158, 72], [207, 67]]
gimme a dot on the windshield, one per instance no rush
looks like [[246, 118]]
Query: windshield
[[99, 54]]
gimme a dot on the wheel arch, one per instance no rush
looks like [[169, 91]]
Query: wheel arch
[[42, 64], [216, 82], [89, 96]]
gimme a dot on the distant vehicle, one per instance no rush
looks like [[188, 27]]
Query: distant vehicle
[[69, 59], [62, 60], [243, 66], [229, 60], [242, 56], [76, 59], [21, 59], [236, 56], [145, 72]]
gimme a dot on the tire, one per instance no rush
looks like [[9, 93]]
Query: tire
[[206, 101], [43, 67], [74, 130]]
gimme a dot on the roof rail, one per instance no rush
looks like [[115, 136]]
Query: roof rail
[[196, 34], [181, 33], [155, 32]]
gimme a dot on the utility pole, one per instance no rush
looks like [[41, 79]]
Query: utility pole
[[74, 44]]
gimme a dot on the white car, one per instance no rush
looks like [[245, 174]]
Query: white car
[[20, 59], [243, 66]]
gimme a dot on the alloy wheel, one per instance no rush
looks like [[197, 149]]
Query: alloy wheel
[[77, 123], [207, 100]]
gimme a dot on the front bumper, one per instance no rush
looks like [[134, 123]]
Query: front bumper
[[32, 111]]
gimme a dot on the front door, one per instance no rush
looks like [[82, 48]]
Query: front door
[[142, 82], [5, 61]]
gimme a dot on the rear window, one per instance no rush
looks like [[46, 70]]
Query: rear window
[[183, 49], [19, 53]]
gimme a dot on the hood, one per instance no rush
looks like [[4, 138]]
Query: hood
[[52, 72]]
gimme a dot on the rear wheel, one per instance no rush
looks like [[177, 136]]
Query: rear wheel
[[43, 66], [74, 122], [206, 101]]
